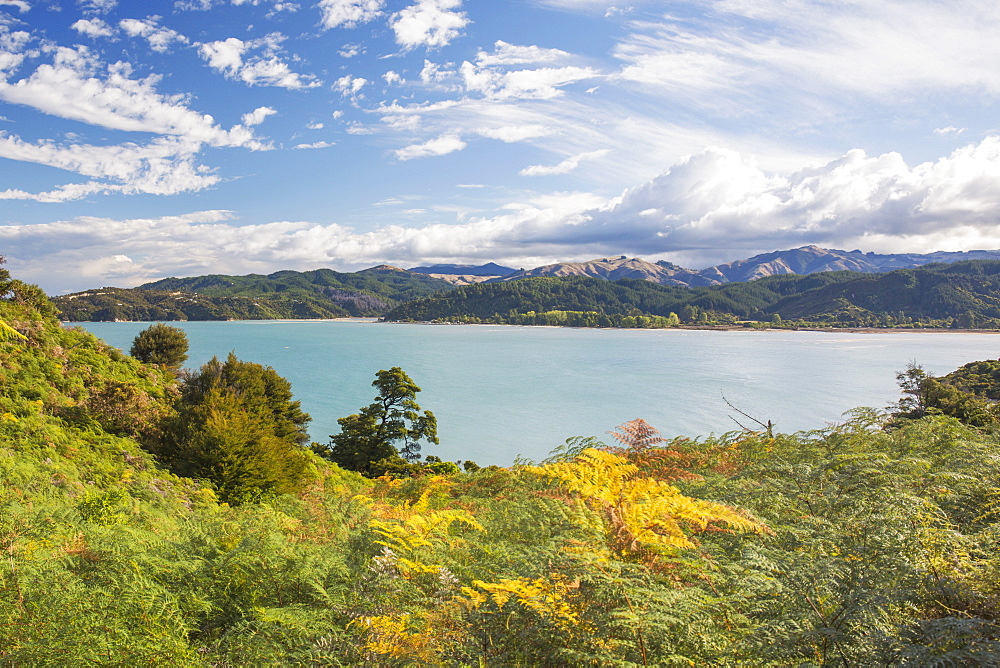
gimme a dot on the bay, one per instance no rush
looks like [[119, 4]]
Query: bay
[[499, 391]]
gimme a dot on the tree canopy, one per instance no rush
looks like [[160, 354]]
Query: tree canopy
[[237, 426], [386, 433], [161, 344]]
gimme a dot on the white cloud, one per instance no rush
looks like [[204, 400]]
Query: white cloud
[[429, 23], [316, 144], [439, 146], [348, 85], [349, 13], [567, 165], [159, 38], [224, 55], [93, 28], [100, 6], [257, 116], [194, 5], [12, 49], [20, 5], [878, 203], [515, 133], [276, 5], [950, 130], [356, 128], [511, 54], [490, 74], [757, 56], [351, 50], [265, 69], [70, 88], [391, 78], [314, 125], [165, 166], [542, 83]]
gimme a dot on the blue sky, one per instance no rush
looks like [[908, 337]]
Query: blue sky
[[147, 139]]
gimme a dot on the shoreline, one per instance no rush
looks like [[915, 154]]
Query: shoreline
[[701, 328]]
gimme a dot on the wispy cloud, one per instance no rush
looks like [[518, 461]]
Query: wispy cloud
[[316, 144], [567, 165]]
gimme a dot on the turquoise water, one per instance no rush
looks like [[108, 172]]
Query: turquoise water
[[499, 392]]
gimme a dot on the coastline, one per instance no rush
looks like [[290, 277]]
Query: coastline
[[703, 328]]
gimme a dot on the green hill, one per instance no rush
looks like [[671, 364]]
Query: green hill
[[285, 294]]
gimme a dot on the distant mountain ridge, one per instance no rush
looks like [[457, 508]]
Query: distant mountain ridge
[[325, 293], [488, 269], [960, 295], [802, 261]]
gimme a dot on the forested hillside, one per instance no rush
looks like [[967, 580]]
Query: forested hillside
[[962, 295], [285, 294]]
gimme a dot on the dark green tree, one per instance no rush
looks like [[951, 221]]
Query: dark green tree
[[368, 440], [237, 426], [160, 344], [260, 390]]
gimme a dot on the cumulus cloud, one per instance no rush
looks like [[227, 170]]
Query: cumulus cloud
[[348, 13], [348, 85], [431, 23], [873, 202], [567, 165], [159, 38], [93, 28], [257, 116], [77, 86], [439, 146], [231, 57]]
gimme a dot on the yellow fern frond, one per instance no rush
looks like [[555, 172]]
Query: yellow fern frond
[[640, 512], [549, 598]]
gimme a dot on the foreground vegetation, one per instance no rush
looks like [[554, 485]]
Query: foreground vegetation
[[134, 532]]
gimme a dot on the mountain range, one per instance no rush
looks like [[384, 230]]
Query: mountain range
[[804, 260], [324, 293]]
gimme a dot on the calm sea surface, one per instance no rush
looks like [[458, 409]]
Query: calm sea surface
[[499, 392]]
